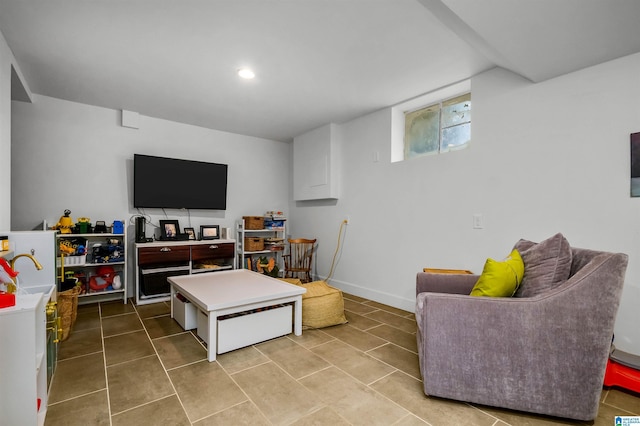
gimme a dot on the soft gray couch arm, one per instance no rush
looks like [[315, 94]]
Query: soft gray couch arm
[[445, 283], [532, 354]]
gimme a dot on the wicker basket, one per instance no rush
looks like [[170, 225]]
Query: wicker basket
[[68, 309], [253, 222], [254, 244]]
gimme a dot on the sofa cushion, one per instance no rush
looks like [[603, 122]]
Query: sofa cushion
[[500, 279], [546, 264]]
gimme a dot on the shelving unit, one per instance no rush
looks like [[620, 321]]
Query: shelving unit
[[23, 388], [275, 239], [100, 250], [161, 259]]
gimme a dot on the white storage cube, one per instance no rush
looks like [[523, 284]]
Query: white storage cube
[[185, 313], [245, 330]]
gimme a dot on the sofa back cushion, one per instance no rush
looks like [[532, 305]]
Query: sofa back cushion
[[546, 264]]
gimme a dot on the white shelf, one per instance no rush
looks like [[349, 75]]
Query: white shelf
[[84, 264], [276, 232]]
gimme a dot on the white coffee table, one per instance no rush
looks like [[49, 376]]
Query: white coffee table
[[229, 292]]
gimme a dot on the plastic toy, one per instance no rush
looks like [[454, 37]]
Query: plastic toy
[[106, 277], [65, 223], [623, 370]]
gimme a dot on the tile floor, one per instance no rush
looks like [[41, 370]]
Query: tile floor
[[134, 365]]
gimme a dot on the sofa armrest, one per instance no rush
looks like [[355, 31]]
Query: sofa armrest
[[445, 283]]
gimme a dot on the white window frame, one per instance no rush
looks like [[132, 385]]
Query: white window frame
[[432, 98]]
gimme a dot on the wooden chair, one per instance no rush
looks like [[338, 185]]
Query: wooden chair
[[297, 263]]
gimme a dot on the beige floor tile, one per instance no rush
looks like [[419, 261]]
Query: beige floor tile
[[387, 308], [407, 392], [81, 343], [360, 321], [204, 389], [352, 361], [311, 338], [108, 309], [166, 411], [280, 398], [324, 416], [241, 359], [88, 409], [120, 324], [77, 376], [291, 357], [403, 323], [179, 349], [89, 307], [606, 414], [354, 337], [162, 326], [357, 307], [626, 400], [525, 419], [399, 358], [127, 347], [353, 297], [137, 382], [411, 420], [352, 400], [86, 320], [153, 310], [242, 414], [394, 335]]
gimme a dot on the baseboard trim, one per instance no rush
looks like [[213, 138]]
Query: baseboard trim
[[375, 295]]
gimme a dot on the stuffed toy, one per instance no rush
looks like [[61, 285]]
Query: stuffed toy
[[106, 279]]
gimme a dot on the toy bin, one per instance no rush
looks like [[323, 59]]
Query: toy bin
[[184, 312]]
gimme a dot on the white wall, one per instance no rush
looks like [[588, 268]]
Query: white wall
[[73, 156], [6, 60], [544, 158]]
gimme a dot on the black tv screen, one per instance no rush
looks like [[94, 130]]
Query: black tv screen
[[172, 183]]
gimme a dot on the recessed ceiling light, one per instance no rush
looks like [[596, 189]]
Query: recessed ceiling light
[[246, 73]]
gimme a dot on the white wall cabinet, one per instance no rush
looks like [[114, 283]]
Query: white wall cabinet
[[315, 164]]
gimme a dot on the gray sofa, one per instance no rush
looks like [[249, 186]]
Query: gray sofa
[[544, 354]]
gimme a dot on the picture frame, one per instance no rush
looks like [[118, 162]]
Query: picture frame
[[209, 232], [169, 229], [191, 233]]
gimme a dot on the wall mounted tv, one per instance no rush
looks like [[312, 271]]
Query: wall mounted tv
[[172, 183]]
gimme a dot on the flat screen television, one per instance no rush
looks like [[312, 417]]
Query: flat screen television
[[171, 183]]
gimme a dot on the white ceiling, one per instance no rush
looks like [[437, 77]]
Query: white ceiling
[[317, 61]]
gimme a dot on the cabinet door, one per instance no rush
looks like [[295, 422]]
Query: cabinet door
[[163, 255]]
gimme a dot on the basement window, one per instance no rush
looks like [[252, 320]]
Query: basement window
[[438, 128]]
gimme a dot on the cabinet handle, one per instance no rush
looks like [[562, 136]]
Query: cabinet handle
[[165, 249], [213, 247]]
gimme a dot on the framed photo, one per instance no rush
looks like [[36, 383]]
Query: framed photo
[[169, 229], [210, 232], [191, 233]]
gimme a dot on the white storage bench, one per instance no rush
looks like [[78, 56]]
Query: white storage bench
[[247, 328]]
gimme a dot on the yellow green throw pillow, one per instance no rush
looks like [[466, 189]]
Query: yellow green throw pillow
[[500, 279]]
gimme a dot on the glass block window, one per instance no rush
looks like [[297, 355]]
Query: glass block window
[[438, 128]]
